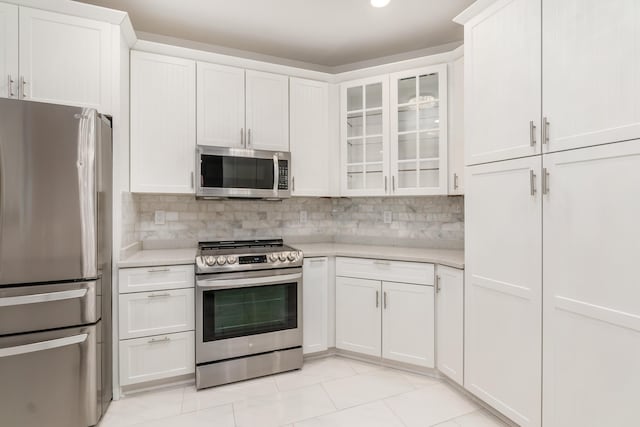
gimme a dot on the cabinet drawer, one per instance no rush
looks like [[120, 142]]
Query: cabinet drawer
[[391, 271], [156, 278], [152, 313], [164, 356]]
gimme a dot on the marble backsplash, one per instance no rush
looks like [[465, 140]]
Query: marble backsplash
[[430, 221]]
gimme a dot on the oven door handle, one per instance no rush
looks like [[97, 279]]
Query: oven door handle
[[243, 283]]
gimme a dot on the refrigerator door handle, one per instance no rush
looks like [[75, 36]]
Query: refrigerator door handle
[[43, 345], [37, 298], [87, 135]]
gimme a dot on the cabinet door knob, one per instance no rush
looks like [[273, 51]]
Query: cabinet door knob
[[242, 137], [532, 134], [532, 182], [377, 299], [455, 181], [437, 283], [10, 87], [23, 83]]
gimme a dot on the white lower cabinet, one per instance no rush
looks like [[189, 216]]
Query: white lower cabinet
[[358, 325], [450, 322], [408, 323], [156, 323], [158, 357], [315, 303], [153, 313], [385, 319]]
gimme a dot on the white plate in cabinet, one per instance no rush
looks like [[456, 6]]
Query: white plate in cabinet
[[392, 271], [145, 279], [152, 313], [154, 358]]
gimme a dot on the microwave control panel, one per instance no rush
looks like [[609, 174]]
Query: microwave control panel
[[283, 175]]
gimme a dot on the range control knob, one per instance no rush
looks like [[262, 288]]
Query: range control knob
[[209, 260], [282, 256], [292, 256], [221, 260], [232, 259], [273, 257]]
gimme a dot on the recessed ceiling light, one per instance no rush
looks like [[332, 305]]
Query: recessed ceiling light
[[379, 3]]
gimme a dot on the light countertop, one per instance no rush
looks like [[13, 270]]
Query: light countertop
[[155, 257], [448, 257]]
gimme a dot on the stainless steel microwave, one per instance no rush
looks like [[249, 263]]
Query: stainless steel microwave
[[224, 172]]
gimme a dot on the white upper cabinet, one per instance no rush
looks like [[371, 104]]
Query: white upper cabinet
[[450, 322], [310, 150], [220, 106], [163, 123], [503, 287], [364, 117], [9, 74], [456, 127], [591, 72], [591, 293], [419, 131], [502, 53], [267, 111], [408, 323], [65, 59]]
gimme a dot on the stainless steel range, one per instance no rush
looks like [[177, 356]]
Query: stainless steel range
[[248, 310]]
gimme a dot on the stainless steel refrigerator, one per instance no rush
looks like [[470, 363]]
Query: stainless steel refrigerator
[[55, 265]]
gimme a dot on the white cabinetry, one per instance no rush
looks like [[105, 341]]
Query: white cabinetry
[[309, 133], [163, 123], [456, 127], [591, 311], [9, 36], [375, 317], [267, 111], [408, 323], [242, 108], [503, 286], [358, 322], [54, 58], [503, 81], [450, 322], [364, 121], [315, 303], [591, 78], [418, 143], [65, 59], [220, 106], [156, 326]]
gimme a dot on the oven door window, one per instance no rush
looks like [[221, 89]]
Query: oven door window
[[238, 312], [236, 172]]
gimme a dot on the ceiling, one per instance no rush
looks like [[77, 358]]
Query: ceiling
[[329, 33]]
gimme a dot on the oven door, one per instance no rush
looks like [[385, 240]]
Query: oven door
[[240, 314], [233, 172]]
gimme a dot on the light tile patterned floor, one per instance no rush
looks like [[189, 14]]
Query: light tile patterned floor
[[329, 392]]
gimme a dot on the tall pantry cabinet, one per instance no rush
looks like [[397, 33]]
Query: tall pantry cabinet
[[552, 159]]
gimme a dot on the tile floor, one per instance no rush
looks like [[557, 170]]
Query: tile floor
[[333, 391]]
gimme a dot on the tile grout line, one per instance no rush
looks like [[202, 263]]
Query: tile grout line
[[453, 419], [393, 412]]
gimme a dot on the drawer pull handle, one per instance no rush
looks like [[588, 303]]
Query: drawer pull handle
[[166, 294], [158, 270], [159, 340]]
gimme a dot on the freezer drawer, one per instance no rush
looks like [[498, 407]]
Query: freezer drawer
[[42, 307], [51, 378]]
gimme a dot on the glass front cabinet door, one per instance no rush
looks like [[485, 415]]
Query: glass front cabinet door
[[365, 137], [394, 134], [419, 131]]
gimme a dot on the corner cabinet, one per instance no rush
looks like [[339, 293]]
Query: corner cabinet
[[394, 134], [450, 322], [163, 123], [379, 305]]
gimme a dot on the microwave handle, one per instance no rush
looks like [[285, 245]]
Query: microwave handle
[[276, 174]]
